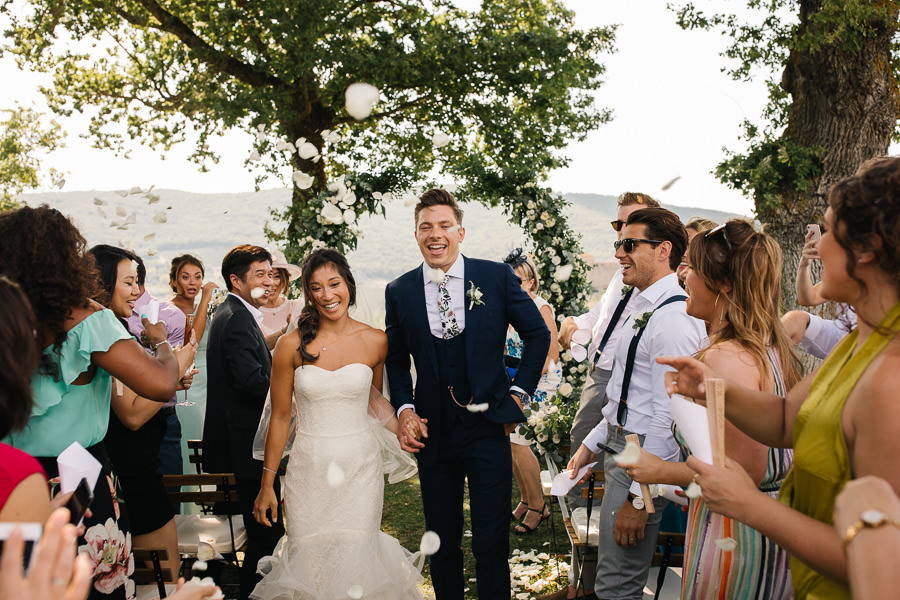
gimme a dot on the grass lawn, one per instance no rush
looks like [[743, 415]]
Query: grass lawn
[[403, 519]]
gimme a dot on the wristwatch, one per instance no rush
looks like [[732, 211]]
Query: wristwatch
[[636, 501], [869, 519], [523, 397]]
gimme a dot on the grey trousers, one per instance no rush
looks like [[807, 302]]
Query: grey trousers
[[593, 399], [622, 572]]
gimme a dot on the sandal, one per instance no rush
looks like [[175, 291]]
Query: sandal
[[545, 514], [518, 517]]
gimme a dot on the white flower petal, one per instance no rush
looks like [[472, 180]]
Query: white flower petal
[[152, 198], [440, 139], [360, 99], [325, 133], [261, 127], [131, 219], [114, 223], [59, 183], [254, 156], [283, 145], [376, 195], [257, 292], [563, 273], [355, 591], [410, 199], [302, 180], [307, 150], [349, 216], [430, 544], [260, 136], [579, 352], [101, 212], [135, 190], [435, 275], [121, 211], [335, 475], [151, 252], [160, 218], [565, 388], [332, 138], [332, 214], [199, 565], [386, 197], [98, 201], [693, 490], [477, 408], [205, 551], [727, 544], [122, 193], [349, 198], [629, 456]]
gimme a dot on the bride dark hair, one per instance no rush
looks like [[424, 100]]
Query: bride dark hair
[[308, 323]]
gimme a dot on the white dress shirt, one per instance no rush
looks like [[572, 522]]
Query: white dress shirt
[[456, 286], [597, 320], [253, 310], [669, 332]]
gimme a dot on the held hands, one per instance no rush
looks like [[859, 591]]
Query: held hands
[[688, 377], [566, 329], [411, 431], [266, 502]]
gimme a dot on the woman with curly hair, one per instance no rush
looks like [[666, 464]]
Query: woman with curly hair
[[84, 346], [841, 420]]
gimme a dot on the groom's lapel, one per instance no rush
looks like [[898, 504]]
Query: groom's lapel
[[473, 317], [420, 319]]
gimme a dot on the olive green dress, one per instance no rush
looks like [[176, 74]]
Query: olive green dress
[[821, 459]]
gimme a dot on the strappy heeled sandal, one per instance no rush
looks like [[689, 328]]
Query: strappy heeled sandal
[[513, 513], [545, 514]]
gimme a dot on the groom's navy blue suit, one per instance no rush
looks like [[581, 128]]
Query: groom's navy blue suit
[[462, 444]]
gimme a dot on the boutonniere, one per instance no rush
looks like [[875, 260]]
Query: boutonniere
[[474, 295], [626, 289], [641, 320]]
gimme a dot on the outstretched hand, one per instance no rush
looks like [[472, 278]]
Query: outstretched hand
[[688, 377]]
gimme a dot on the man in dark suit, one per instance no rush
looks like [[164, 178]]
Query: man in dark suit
[[451, 314], [239, 367]]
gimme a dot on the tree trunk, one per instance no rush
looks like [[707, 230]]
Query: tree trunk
[[844, 99]]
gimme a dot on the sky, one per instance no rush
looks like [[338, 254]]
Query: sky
[[673, 112]]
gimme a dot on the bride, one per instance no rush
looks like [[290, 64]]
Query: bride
[[334, 487]]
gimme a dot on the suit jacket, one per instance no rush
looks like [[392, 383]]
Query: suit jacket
[[239, 368], [408, 332]]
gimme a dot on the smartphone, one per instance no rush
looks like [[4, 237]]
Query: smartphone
[[814, 230], [31, 533], [79, 502]]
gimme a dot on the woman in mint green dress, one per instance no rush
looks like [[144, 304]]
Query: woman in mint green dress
[[84, 347]]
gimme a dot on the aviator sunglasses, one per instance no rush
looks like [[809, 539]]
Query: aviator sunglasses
[[628, 244]]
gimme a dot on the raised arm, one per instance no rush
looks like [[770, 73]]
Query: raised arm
[[808, 294], [152, 377]]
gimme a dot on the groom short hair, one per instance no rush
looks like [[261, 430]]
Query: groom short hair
[[438, 197], [662, 224], [238, 261]]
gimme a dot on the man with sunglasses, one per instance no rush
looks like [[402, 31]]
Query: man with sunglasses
[[650, 249]]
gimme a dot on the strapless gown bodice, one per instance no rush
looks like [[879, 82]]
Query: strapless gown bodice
[[334, 492]]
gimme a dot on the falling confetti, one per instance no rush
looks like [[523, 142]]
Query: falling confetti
[[477, 408], [257, 292], [160, 218], [335, 475], [671, 183], [629, 456], [440, 139], [360, 99], [355, 592], [435, 275], [254, 156], [430, 543], [121, 211]]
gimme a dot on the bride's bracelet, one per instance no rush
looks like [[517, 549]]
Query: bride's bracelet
[[270, 470]]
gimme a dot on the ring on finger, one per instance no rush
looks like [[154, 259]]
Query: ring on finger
[[694, 479]]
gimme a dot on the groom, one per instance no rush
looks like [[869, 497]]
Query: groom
[[451, 314]]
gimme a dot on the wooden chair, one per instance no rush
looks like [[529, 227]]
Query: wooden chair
[[225, 532], [148, 569], [196, 454]]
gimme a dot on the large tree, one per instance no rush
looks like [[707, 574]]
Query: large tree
[[833, 103], [25, 139], [509, 84]]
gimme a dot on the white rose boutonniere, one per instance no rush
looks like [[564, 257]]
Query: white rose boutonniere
[[474, 295], [641, 320]]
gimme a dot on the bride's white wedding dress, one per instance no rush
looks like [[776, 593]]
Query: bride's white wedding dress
[[334, 491]]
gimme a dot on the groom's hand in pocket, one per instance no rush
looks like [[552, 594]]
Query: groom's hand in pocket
[[411, 431]]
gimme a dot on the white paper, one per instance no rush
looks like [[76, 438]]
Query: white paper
[[693, 424], [74, 464], [152, 311], [562, 483], [668, 491]]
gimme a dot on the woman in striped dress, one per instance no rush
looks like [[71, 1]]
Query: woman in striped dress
[[734, 285]]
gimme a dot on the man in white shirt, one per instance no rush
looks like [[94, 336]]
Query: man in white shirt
[[653, 242], [599, 321]]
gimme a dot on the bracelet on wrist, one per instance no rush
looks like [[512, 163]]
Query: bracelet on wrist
[[158, 344], [265, 468]]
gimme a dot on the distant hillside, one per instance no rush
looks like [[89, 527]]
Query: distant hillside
[[210, 224]]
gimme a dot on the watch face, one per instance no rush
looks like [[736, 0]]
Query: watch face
[[638, 503], [872, 517]]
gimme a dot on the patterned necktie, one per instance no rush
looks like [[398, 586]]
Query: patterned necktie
[[448, 319]]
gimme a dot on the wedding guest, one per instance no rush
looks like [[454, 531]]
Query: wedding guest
[[24, 496], [842, 420], [694, 226], [137, 426], [84, 347], [653, 243], [279, 309], [867, 519], [734, 285], [170, 460], [525, 464], [186, 280]]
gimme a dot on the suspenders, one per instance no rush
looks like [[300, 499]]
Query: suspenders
[[622, 412], [613, 321]]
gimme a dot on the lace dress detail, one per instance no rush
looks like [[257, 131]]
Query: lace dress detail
[[334, 491]]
